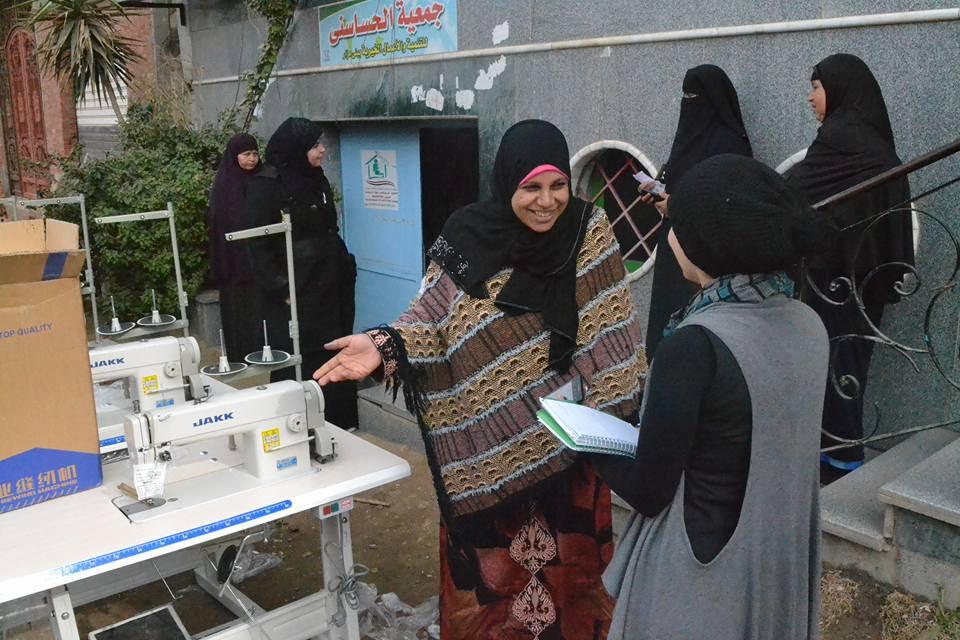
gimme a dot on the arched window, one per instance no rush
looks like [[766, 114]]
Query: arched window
[[603, 174]]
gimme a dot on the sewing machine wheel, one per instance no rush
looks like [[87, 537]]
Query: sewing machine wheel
[[256, 358], [106, 330], [225, 564], [213, 370], [165, 320]]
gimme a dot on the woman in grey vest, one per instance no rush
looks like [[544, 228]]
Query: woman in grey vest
[[724, 543]]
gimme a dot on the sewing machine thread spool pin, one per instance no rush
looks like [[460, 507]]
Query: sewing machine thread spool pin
[[267, 356], [223, 367], [156, 319], [267, 352], [115, 328]]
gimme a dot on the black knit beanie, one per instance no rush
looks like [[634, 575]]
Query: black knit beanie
[[733, 214]]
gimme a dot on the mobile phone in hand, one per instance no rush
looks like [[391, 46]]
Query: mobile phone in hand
[[656, 191]]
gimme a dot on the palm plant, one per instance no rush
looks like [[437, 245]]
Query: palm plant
[[81, 43]]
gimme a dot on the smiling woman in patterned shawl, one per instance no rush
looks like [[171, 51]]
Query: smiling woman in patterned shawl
[[524, 292]]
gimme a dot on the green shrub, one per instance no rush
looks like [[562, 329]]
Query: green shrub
[[160, 159]]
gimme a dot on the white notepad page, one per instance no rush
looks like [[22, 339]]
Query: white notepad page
[[588, 426]]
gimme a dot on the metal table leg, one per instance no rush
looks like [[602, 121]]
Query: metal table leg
[[62, 620], [336, 541]]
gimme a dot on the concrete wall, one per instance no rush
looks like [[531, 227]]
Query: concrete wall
[[632, 93]]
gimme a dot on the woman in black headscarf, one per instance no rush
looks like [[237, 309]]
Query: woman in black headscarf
[[524, 293], [229, 270], [325, 272], [710, 124], [854, 143], [724, 542]]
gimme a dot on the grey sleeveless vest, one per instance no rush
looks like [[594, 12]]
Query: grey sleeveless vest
[[764, 584]]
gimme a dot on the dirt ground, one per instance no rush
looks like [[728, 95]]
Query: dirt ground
[[854, 607], [399, 544], [850, 606]]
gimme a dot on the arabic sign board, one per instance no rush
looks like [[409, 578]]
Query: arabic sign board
[[372, 30], [379, 171]]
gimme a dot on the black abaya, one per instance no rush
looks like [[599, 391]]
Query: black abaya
[[325, 272], [710, 124], [854, 143], [229, 269]]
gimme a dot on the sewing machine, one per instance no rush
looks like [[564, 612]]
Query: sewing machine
[[225, 445], [156, 373]]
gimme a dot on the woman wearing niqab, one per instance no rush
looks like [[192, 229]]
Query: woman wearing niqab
[[229, 269], [524, 292], [325, 273], [854, 142], [710, 124]]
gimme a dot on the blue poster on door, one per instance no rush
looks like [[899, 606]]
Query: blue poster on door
[[382, 218], [370, 30]]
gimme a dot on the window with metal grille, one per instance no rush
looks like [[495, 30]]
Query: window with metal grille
[[603, 174]]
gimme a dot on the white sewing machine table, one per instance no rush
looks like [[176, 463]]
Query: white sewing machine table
[[57, 554]]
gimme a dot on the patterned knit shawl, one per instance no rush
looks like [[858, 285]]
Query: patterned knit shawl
[[481, 373], [734, 288]]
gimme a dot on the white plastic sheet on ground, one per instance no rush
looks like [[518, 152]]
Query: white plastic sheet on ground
[[387, 617]]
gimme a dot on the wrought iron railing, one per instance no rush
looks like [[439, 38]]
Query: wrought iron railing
[[847, 290]]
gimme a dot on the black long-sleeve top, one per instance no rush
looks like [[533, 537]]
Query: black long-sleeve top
[[697, 423]]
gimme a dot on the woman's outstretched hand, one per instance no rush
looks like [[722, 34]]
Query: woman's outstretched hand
[[358, 358]]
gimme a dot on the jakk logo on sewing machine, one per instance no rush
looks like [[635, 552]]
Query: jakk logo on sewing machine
[[107, 363], [220, 417]]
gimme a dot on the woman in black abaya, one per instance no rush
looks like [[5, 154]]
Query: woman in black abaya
[[228, 265], [293, 181], [854, 143], [710, 124]]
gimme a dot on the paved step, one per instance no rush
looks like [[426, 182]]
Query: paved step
[[850, 509], [388, 419], [931, 488]]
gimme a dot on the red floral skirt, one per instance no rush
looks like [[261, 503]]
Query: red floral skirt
[[531, 570]]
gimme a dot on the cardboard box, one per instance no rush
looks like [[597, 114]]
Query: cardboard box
[[36, 250], [48, 425]]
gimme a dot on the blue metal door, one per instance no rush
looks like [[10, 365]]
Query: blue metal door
[[382, 218]]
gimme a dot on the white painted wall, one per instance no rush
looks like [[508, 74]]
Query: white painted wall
[[91, 113]]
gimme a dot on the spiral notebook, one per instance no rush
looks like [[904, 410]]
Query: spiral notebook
[[584, 429]]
